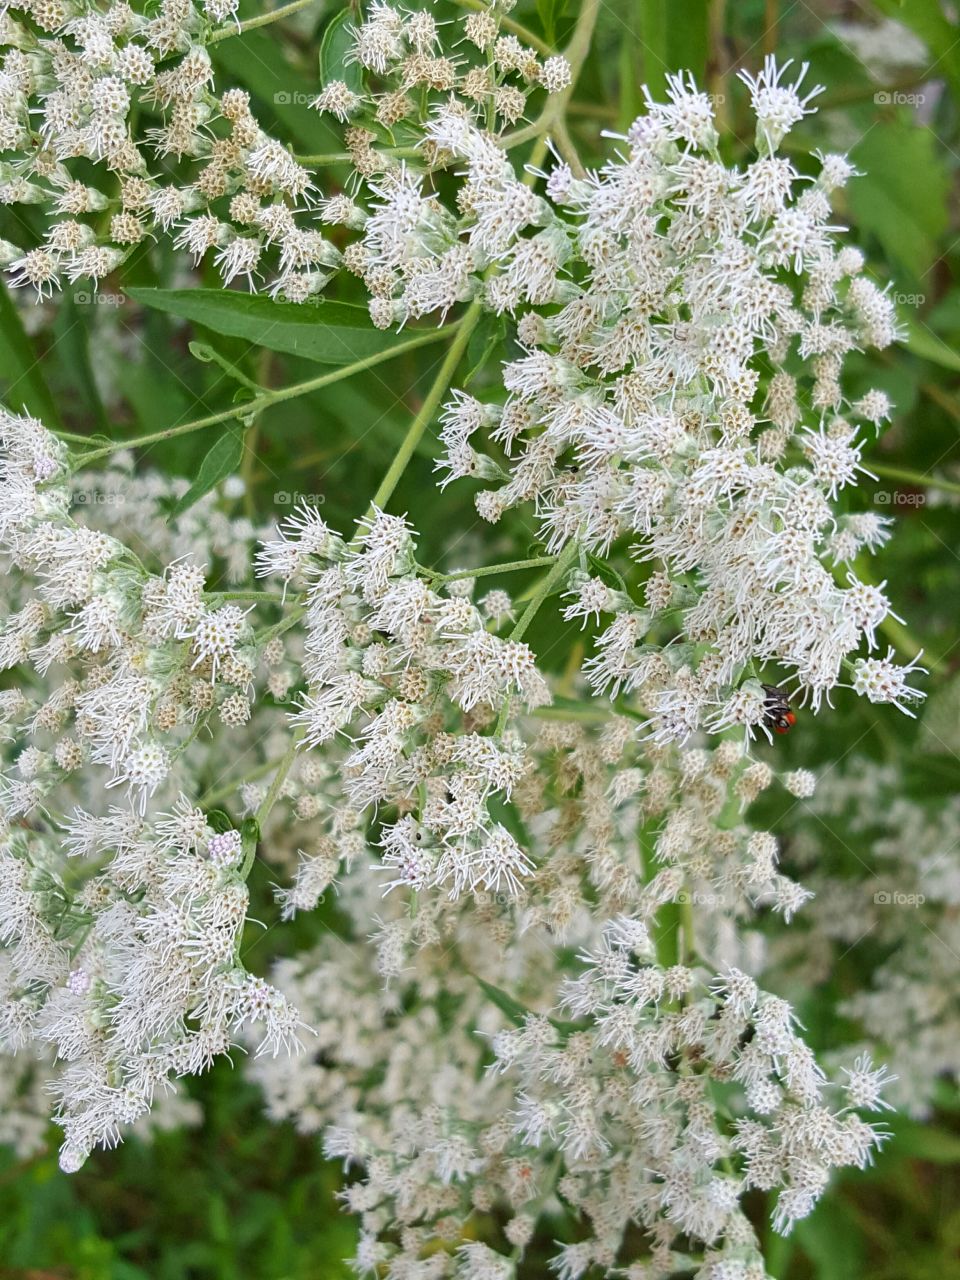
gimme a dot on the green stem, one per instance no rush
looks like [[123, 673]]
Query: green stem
[[560, 566], [221, 596], [263, 637], [270, 799], [428, 408], [214, 794], [344, 157], [917, 478], [263, 20], [510, 566], [269, 398], [552, 117]]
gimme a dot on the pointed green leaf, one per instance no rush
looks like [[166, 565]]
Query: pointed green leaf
[[925, 343], [221, 461], [328, 332], [20, 368], [337, 42]]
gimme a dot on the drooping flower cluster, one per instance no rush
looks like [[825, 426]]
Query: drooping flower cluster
[[127, 966]]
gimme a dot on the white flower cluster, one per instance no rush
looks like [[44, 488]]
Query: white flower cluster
[[640, 410], [73, 92], [562, 1008], [154, 655], [128, 968], [123, 962], [637, 1045], [898, 896], [382, 645], [76, 83]]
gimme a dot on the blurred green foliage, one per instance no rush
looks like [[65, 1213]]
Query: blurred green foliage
[[241, 1198]]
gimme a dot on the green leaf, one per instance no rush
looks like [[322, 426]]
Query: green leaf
[[221, 461], [832, 1238], [219, 820], [902, 197], [72, 330], [548, 12], [515, 1011], [504, 1002], [924, 1142], [337, 42], [490, 331], [20, 368], [925, 343], [606, 573], [334, 333]]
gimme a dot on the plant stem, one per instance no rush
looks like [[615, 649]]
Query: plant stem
[[552, 117], [220, 596], [560, 566], [219, 793], [270, 799], [424, 415], [917, 478], [285, 624], [510, 566], [263, 20], [771, 20], [344, 157], [275, 397]]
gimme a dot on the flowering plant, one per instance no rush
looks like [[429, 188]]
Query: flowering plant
[[555, 986]]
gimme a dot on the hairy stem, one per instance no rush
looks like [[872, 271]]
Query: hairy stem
[[263, 20], [509, 566], [269, 398]]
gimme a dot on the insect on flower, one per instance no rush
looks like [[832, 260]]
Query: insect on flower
[[777, 714]]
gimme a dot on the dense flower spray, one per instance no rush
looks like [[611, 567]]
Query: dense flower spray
[[562, 1007]]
